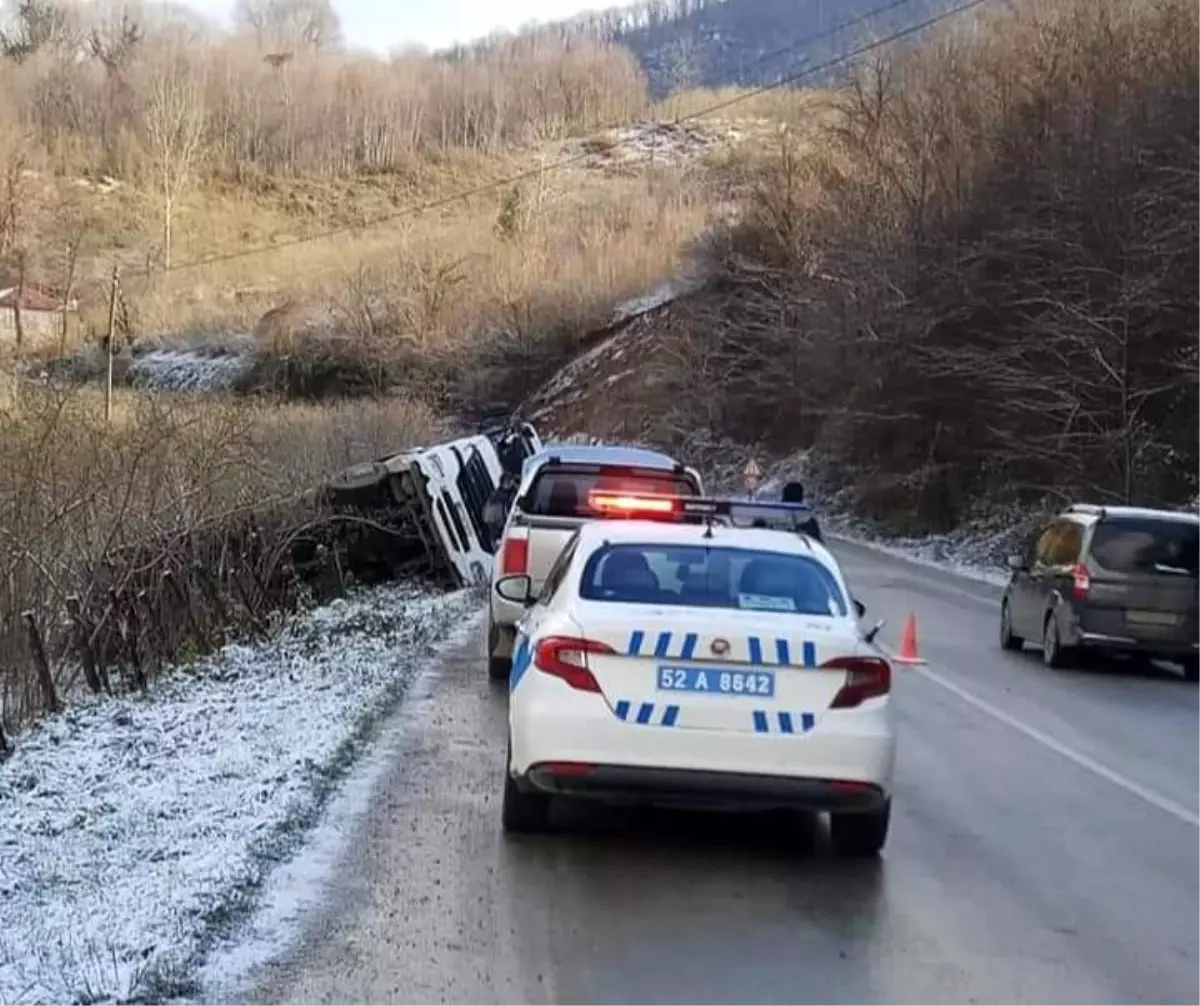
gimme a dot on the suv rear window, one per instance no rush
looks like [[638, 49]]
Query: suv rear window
[[1146, 545], [561, 492], [716, 577]]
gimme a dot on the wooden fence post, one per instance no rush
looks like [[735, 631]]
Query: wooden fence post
[[110, 344], [83, 645], [18, 323], [41, 663], [72, 261], [133, 640]]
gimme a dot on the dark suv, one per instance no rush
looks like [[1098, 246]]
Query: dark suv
[[1113, 578]]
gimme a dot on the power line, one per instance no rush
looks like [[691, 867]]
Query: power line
[[820, 36], [541, 170]]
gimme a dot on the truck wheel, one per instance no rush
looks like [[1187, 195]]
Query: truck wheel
[[499, 668], [860, 835]]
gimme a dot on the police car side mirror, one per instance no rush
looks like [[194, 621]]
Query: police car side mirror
[[517, 588], [860, 609], [1016, 563]]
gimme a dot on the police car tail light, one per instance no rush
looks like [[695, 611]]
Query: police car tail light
[[866, 678], [566, 657], [515, 557], [618, 504]]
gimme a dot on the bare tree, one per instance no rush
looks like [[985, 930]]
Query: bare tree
[[174, 122], [290, 25], [114, 44], [13, 162], [38, 24]]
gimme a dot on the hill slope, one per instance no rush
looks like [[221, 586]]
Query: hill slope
[[684, 44]]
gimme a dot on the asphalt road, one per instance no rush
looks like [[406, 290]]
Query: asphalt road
[[1043, 849]]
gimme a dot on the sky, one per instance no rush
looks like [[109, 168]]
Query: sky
[[386, 24]]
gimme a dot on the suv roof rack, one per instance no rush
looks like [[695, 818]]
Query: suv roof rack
[[700, 509]]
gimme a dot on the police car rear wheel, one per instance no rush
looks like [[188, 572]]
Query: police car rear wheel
[[522, 813], [499, 668], [860, 835]]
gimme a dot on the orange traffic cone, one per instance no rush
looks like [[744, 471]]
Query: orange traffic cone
[[908, 643]]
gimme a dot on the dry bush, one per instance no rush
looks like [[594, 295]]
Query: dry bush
[[148, 138], [985, 278], [86, 90], [454, 313], [743, 105], [91, 511]]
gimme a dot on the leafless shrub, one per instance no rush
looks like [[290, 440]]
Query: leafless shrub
[[279, 95], [136, 543]]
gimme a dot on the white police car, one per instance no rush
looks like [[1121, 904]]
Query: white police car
[[683, 659]]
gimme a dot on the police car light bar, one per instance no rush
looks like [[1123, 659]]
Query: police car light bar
[[632, 504], [654, 505]]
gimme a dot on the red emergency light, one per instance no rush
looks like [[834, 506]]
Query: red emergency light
[[624, 504]]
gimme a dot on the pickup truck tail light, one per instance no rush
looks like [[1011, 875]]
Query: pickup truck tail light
[[515, 555]]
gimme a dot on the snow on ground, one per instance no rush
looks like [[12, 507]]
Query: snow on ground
[[661, 296], [300, 886], [966, 552], [136, 831], [187, 370], [177, 362], [976, 549]]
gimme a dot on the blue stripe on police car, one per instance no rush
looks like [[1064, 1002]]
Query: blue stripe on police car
[[522, 658], [755, 644]]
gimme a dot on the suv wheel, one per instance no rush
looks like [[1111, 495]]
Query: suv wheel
[[1009, 640], [499, 668], [860, 835], [1054, 654]]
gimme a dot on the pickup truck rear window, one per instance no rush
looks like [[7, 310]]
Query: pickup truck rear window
[[712, 577], [564, 493]]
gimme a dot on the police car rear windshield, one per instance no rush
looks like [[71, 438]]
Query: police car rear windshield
[[712, 577], [564, 493]]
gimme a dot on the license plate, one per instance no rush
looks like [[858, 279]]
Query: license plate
[[716, 681], [1151, 617]]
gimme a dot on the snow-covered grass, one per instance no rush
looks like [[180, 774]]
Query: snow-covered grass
[[179, 362], [134, 832], [187, 370], [662, 295]]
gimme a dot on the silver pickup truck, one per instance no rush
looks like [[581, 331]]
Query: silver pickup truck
[[551, 502]]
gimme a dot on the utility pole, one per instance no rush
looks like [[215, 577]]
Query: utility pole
[[108, 348], [19, 325]]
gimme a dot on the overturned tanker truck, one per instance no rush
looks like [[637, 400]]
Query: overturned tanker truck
[[416, 515], [421, 512]]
